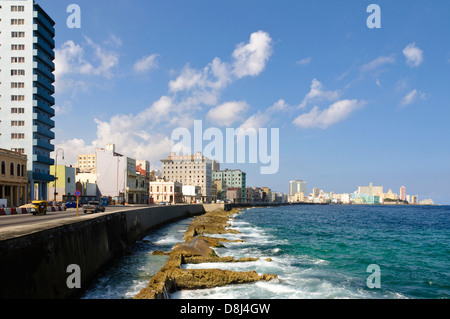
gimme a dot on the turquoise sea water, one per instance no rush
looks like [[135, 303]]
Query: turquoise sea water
[[317, 252]]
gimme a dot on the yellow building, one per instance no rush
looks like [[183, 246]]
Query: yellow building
[[13, 178]]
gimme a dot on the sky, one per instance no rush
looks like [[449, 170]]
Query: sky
[[353, 104]]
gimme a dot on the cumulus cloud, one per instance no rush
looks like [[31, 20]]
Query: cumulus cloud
[[250, 59], [71, 60], [146, 64], [227, 113], [318, 93], [413, 55], [337, 112], [135, 134]]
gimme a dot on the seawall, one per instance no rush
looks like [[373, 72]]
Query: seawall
[[34, 266]]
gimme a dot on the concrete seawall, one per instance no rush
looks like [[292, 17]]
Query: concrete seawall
[[34, 266]]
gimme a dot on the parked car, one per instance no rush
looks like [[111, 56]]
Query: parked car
[[165, 203], [71, 204], [93, 207]]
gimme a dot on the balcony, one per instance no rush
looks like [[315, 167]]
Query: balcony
[[46, 132], [44, 95], [41, 56], [43, 32], [43, 177], [44, 145], [43, 119], [45, 71], [43, 107], [41, 43], [42, 19], [43, 159], [43, 81]]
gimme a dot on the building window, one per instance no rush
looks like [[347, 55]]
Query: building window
[[17, 98], [17, 21], [11, 169], [17, 60], [3, 170], [17, 8], [17, 47], [16, 34], [17, 85], [17, 72]]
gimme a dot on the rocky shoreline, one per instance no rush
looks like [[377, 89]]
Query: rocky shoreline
[[198, 248]]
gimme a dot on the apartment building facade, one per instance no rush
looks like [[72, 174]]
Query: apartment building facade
[[26, 88], [232, 179], [190, 170], [13, 179]]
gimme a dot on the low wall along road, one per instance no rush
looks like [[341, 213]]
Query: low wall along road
[[35, 265]]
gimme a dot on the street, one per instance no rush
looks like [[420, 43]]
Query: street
[[16, 225]]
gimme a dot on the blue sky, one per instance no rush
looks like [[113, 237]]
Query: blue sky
[[354, 105]]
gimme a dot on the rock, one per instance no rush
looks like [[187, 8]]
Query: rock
[[159, 252], [196, 249], [269, 259]]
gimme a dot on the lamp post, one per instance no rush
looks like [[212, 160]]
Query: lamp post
[[59, 151]]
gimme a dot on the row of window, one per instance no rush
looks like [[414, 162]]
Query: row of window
[[17, 98], [17, 47], [17, 34], [17, 123], [17, 21], [165, 189], [17, 110], [17, 136], [19, 172], [17, 72], [17, 8], [17, 85], [17, 60]]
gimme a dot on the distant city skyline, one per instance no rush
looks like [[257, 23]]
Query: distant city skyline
[[353, 104]]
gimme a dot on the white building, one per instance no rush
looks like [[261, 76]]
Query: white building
[[190, 170], [191, 194], [166, 191], [26, 88]]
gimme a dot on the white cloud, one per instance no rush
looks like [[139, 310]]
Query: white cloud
[[250, 59], [411, 97], [318, 93], [71, 60], [228, 113], [146, 64], [337, 112], [376, 63], [304, 61], [146, 135], [413, 55]]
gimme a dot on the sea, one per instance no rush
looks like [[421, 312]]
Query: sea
[[317, 251]]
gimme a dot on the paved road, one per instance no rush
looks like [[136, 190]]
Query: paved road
[[16, 225]]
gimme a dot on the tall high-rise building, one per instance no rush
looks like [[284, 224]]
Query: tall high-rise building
[[297, 186], [26, 88], [403, 193]]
